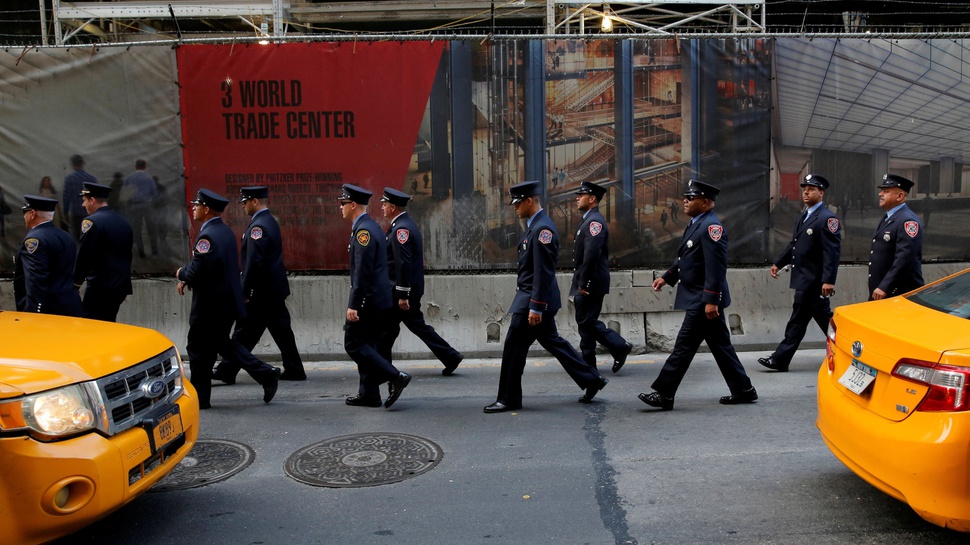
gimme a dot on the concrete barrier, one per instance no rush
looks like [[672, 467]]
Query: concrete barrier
[[470, 310]]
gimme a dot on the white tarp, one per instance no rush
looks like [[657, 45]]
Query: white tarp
[[111, 105]]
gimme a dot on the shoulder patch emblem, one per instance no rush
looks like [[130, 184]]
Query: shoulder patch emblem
[[363, 238], [545, 236], [31, 244], [715, 231], [85, 225], [833, 225], [256, 233], [912, 228], [403, 235], [595, 228], [203, 246]]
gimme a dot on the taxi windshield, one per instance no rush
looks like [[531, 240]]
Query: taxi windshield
[[950, 296]]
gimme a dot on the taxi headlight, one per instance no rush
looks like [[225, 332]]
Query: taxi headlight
[[65, 411]]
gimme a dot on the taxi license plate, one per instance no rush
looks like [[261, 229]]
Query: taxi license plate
[[858, 377], [166, 429]]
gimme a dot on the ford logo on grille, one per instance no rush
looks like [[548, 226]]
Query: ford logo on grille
[[153, 387], [857, 349]]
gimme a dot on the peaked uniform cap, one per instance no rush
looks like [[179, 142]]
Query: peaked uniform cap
[[356, 194], [395, 197], [589, 188], [520, 192], [211, 199]]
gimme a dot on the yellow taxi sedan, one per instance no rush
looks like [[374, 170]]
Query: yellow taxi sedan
[[894, 397], [92, 414]]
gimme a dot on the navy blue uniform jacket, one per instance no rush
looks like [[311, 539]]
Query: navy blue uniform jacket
[[104, 256], [263, 274], [405, 258], [701, 265], [896, 258], [43, 278], [369, 286], [591, 256], [213, 274], [536, 286], [814, 251]]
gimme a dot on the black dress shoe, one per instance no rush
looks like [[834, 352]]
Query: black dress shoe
[[292, 376], [591, 391], [450, 367], [619, 361], [395, 387], [361, 401], [203, 405], [499, 407], [770, 363], [223, 377], [746, 396], [656, 399], [271, 385]]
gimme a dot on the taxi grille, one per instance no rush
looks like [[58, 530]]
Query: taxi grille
[[127, 404]]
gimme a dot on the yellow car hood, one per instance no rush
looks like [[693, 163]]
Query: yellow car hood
[[39, 352]]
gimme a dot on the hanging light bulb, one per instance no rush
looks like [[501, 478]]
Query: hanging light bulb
[[607, 25]]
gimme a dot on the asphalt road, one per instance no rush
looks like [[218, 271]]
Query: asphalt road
[[613, 472]]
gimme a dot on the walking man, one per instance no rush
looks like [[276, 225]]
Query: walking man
[[73, 184], [896, 255], [265, 289], [591, 279], [213, 277], [44, 267], [701, 269], [813, 254], [405, 265], [104, 255], [369, 304], [534, 307], [142, 193]]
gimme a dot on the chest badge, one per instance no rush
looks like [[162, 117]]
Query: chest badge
[[809, 232], [690, 243], [886, 236]]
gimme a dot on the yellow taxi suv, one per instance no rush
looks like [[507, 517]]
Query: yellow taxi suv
[[894, 397], [92, 414]]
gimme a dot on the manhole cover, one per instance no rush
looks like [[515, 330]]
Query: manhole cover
[[210, 461], [367, 459]]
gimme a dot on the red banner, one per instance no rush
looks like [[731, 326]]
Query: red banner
[[303, 119]]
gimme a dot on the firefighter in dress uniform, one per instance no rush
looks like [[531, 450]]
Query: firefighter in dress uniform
[[813, 253], [265, 288], [369, 304], [103, 256], [896, 255], [43, 278], [213, 278], [537, 300], [591, 279], [405, 265], [701, 270]]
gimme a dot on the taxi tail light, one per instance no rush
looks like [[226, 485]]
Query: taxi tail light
[[830, 347], [948, 386]]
